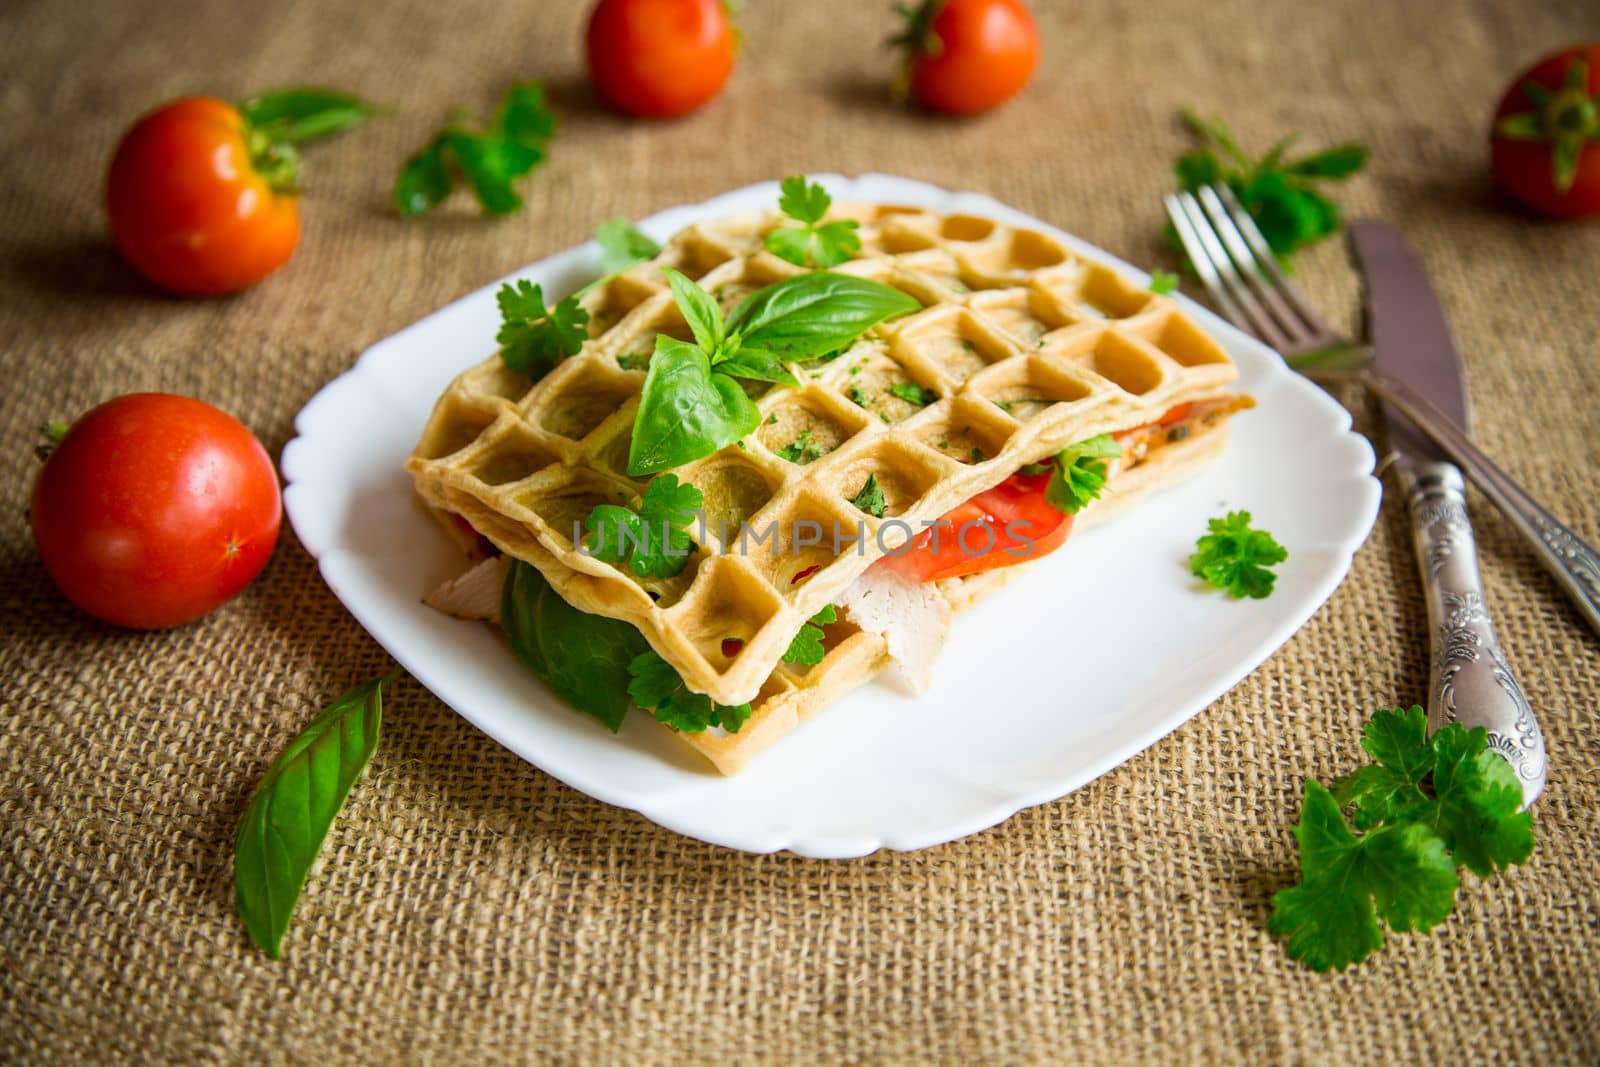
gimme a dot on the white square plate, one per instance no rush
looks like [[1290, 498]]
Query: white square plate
[[1104, 649]]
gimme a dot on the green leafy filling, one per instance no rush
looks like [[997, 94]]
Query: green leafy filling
[[1080, 473], [651, 540], [657, 688]]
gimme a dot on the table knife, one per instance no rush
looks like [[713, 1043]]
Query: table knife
[[1470, 679]]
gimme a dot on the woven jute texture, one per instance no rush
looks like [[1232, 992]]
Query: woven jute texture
[[470, 909]]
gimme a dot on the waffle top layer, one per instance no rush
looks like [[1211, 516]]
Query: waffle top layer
[[1020, 349]]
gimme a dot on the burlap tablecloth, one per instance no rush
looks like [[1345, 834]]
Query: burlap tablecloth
[[468, 908]]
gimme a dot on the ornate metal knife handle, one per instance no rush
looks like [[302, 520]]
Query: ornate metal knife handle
[[1574, 565], [1471, 682]]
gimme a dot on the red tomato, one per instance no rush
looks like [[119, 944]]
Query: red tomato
[[659, 58], [975, 536], [1544, 148], [154, 509], [967, 56], [188, 207]]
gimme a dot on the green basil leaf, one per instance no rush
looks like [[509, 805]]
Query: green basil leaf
[[699, 310], [299, 115], [290, 812], [423, 181], [583, 658], [813, 314], [686, 410], [757, 364]]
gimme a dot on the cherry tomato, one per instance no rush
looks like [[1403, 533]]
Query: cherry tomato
[[975, 536], [967, 56], [155, 509], [189, 206], [659, 58], [1544, 148]]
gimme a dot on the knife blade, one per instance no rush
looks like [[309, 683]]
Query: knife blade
[[1470, 680]]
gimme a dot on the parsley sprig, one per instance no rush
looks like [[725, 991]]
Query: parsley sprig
[[1163, 282], [912, 393], [488, 161], [652, 539], [806, 649], [1280, 194], [534, 337], [1424, 807], [1235, 557], [1080, 473], [813, 242], [659, 689], [692, 404]]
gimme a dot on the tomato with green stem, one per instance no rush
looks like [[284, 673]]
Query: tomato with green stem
[[201, 194], [152, 510], [1545, 144], [660, 58], [966, 56]]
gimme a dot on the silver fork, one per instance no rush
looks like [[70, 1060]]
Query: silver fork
[[1243, 277]]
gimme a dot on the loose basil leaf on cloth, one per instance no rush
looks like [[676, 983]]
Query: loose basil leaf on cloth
[[295, 116], [810, 315], [290, 812], [686, 410], [583, 657]]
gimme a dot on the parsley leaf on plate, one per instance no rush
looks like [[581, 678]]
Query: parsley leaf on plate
[[652, 539], [1080, 473], [1235, 557], [622, 246], [657, 688], [822, 244], [806, 648], [1163, 282], [870, 499], [534, 338]]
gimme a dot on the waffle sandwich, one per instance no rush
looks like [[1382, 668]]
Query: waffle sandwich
[[1017, 350]]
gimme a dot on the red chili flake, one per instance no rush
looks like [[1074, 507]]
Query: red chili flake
[[805, 573], [731, 646]]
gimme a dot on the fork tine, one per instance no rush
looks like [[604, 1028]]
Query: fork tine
[[1202, 261], [1203, 246], [1300, 333], [1269, 260]]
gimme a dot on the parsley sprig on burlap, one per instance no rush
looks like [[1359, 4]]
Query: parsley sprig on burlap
[[1422, 808]]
